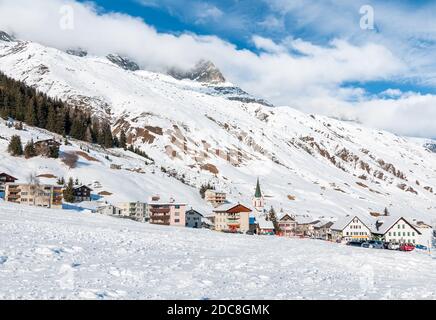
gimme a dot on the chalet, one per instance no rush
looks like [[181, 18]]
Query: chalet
[[47, 148], [305, 226], [232, 217], [215, 198], [351, 228], [46, 196], [396, 230], [194, 219], [287, 225], [322, 230], [134, 210], [265, 227], [168, 213], [5, 178], [82, 193]]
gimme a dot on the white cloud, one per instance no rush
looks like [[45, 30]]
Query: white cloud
[[293, 72]]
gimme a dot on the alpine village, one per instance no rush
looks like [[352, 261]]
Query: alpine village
[[21, 106]]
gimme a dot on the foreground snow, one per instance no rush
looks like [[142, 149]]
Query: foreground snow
[[49, 254]]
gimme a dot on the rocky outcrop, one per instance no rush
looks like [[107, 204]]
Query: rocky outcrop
[[123, 62], [204, 71]]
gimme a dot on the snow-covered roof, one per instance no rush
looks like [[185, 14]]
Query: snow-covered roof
[[381, 225], [322, 223], [194, 211], [206, 221], [306, 220], [227, 207], [342, 223], [264, 224]]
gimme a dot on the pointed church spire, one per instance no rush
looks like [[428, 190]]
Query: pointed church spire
[[258, 193]]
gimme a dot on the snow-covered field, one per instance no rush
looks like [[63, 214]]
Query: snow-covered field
[[49, 254]]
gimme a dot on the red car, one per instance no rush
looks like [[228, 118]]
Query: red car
[[407, 247]]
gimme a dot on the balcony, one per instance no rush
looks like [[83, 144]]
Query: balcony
[[160, 210], [233, 221]]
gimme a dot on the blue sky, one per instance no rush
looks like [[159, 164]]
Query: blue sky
[[317, 56], [237, 21]]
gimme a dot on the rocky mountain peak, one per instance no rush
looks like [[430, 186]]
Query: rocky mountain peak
[[203, 71], [77, 52], [6, 37], [123, 62]]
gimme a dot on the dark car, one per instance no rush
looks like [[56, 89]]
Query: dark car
[[373, 244], [250, 233], [354, 243]]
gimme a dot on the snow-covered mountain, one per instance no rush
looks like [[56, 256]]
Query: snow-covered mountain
[[208, 130]]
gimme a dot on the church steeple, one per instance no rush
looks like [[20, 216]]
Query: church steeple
[[258, 193], [258, 200]]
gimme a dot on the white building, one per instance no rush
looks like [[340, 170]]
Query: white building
[[396, 230], [109, 210], [351, 228], [134, 210]]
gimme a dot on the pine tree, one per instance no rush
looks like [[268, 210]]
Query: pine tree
[[29, 150], [123, 140], [15, 147], [61, 181], [69, 191], [272, 216], [106, 137]]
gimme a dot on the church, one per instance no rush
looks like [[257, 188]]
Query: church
[[258, 199]]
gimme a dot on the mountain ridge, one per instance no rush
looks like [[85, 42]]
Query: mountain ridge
[[205, 135]]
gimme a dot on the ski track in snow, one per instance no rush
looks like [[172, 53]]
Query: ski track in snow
[[54, 254]]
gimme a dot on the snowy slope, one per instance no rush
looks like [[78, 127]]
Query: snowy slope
[[137, 181], [50, 254], [212, 133]]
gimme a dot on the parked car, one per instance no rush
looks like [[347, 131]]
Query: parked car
[[421, 247], [373, 244], [250, 233], [407, 247], [394, 246], [354, 243]]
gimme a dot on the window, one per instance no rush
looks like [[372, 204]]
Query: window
[[176, 220], [399, 227], [390, 234]]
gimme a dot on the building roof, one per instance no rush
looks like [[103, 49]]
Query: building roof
[[323, 224], [3, 174], [306, 220], [283, 215], [342, 223], [192, 211], [228, 206], [264, 224], [383, 224], [258, 193], [82, 186]]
